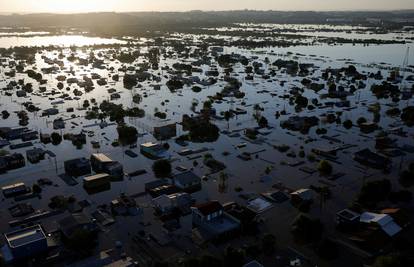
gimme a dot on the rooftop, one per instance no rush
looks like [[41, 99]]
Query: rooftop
[[150, 145], [253, 264], [348, 214], [209, 207], [101, 157], [259, 205], [386, 222], [25, 236], [187, 177], [13, 186], [95, 177]]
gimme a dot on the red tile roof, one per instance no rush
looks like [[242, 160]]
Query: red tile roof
[[209, 207]]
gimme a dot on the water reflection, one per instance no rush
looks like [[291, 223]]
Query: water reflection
[[61, 40]]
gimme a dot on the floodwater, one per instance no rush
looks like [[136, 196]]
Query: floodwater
[[331, 31], [391, 54], [60, 40], [265, 92]]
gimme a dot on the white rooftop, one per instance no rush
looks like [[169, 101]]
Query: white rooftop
[[305, 194], [259, 205]]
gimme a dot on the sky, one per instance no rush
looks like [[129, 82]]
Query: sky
[[75, 6]]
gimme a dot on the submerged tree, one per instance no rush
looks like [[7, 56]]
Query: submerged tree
[[162, 168], [127, 135]]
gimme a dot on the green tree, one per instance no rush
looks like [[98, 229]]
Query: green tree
[[162, 168], [127, 134], [233, 257], [307, 230], [324, 167], [391, 260], [262, 122], [327, 250], [56, 138], [82, 241], [268, 244], [347, 124], [36, 189]]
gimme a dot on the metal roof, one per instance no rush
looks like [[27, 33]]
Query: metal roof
[[25, 236]]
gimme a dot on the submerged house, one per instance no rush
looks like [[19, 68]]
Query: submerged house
[[50, 112], [96, 181], [165, 132], [177, 202], [58, 124], [383, 221], [253, 263], [302, 124], [247, 217], [125, 205], [75, 222], [102, 163], [11, 162], [153, 150], [302, 195], [30, 135], [187, 181], [212, 223], [77, 167], [347, 217], [24, 243], [45, 138], [4, 143], [14, 189], [373, 231], [77, 139], [191, 122], [371, 159], [35, 155], [12, 133]]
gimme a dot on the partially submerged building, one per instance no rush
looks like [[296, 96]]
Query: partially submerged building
[[15, 189], [24, 243], [153, 150], [383, 221], [125, 205], [165, 132], [13, 133], [75, 222], [372, 159], [211, 223], [11, 162], [187, 181], [177, 202], [77, 167], [35, 155], [102, 163], [96, 181]]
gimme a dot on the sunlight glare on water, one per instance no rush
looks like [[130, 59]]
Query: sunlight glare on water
[[62, 40]]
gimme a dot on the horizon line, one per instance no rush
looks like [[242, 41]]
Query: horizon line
[[9, 13]]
